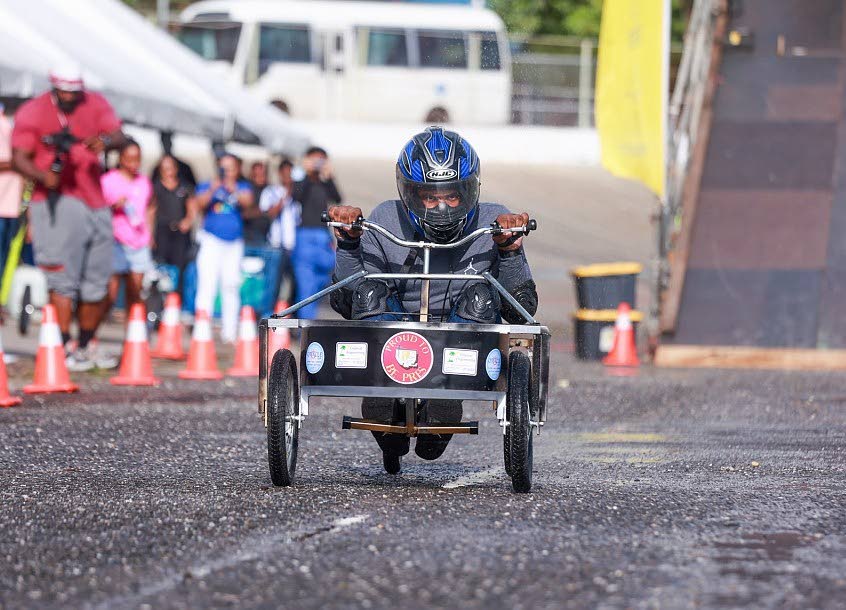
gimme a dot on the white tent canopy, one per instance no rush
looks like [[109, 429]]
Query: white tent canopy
[[149, 77]]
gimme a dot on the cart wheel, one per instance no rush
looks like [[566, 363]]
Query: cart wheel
[[283, 430], [392, 463], [506, 448], [26, 311], [519, 437]]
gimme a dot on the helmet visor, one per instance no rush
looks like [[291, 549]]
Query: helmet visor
[[441, 205]]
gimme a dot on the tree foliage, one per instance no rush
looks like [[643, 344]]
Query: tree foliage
[[565, 17]]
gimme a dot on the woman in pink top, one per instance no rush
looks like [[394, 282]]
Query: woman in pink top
[[129, 192]]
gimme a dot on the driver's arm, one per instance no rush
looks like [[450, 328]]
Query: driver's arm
[[513, 271]]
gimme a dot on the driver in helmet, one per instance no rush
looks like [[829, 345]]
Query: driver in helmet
[[438, 182]]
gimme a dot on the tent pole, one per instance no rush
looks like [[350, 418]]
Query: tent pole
[[163, 13]]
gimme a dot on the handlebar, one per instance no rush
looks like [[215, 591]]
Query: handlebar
[[360, 224]]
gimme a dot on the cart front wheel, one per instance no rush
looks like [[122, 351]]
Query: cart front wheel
[[518, 438], [283, 409]]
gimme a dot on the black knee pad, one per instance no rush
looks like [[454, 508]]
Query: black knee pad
[[478, 302], [370, 298]]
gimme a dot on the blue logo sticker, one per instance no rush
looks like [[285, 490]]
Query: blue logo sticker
[[493, 364], [314, 357]]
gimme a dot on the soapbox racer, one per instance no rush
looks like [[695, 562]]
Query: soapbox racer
[[410, 362]]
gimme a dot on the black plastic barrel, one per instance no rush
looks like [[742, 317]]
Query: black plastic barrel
[[594, 330], [606, 285]]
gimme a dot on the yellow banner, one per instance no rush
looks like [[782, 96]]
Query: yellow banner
[[631, 89]]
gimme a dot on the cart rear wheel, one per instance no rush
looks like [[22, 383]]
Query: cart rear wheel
[[283, 407], [506, 449], [518, 438], [26, 311]]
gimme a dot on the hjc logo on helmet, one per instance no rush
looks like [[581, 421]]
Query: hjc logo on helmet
[[441, 174]]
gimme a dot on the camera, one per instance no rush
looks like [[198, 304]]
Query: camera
[[62, 140]]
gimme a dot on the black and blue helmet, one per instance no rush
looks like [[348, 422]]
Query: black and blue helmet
[[438, 181]]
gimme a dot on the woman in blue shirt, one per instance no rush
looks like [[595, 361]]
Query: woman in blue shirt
[[221, 240]]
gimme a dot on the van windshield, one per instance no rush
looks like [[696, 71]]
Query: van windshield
[[212, 41]]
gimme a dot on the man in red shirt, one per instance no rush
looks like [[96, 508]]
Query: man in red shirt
[[71, 221]]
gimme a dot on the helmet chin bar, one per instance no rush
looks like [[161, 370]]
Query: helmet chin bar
[[442, 235]]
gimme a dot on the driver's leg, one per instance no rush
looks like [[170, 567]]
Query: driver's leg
[[373, 300], [385, 410], [478, 303]]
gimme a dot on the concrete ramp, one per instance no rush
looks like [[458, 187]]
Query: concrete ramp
[[766, 264]]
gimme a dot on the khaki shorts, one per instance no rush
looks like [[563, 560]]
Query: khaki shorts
[[75, 250]]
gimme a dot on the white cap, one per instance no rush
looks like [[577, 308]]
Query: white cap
[[66, 77]]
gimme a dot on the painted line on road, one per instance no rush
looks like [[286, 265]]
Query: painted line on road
[[255, 548], [477, 478]]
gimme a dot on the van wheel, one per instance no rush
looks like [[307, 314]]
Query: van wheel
[[281, 105], [437, 115]]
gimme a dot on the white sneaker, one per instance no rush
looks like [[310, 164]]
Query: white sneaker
[[79, 361]]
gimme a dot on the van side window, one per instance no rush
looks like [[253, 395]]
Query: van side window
[[442, 49], [489, 51], [283, 43], [387, 48], [212, 41]]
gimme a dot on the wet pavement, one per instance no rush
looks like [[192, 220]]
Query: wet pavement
[[664, 489]]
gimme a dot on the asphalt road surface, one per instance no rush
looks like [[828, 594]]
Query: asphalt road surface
[[663, 489]]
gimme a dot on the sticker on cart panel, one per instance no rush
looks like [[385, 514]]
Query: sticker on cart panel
[[351, 355], [493, 364], [460, 361], [407, 358], [314, 357]]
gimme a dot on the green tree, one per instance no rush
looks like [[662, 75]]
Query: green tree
[[566, 17]]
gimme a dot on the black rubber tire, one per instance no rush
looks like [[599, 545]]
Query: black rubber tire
[[519, 422], [506, 448], [392, 463], [26, 310], [283, 396]]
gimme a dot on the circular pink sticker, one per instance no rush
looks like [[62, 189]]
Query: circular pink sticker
[[407, 358]]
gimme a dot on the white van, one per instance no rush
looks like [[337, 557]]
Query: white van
[[371, 61]]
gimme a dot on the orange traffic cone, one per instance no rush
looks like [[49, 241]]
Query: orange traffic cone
[[624, 351], [169, 343], [202, 358], [51, 373], [136, 368], [279, 337], [247, 349], [6, 399]]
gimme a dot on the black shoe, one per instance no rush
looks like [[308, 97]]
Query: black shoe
[[385, 410], [391, 462], [432, 446]]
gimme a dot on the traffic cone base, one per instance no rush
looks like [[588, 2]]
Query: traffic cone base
[[624, 351], [6, 399], [136, 367], [51, 373], [169, 341], [202, 358], [247, 349]]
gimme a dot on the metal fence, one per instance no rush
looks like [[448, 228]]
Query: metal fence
[[553, 81]]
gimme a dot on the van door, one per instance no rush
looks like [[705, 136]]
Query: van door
[[335, 64], [287, 72]]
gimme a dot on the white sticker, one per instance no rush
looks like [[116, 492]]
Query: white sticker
[[351, 355], [606, 338], [493, 364], [460, 361], [314, 357]]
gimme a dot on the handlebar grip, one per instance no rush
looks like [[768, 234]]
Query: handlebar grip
[[324, 216], [532, 226]]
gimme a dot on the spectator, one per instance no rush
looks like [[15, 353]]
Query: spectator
[[175, 211], [314, 256], [11, 187], [278, 203], [129, 193], [70, 219], [222, 242], [186, 174], [257, 222]]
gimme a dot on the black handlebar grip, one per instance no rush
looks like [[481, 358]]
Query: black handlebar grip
[[324, 216], [532, 226]]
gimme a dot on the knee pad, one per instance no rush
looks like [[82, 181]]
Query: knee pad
[[478, 302], [370, 298], [527, 295]]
